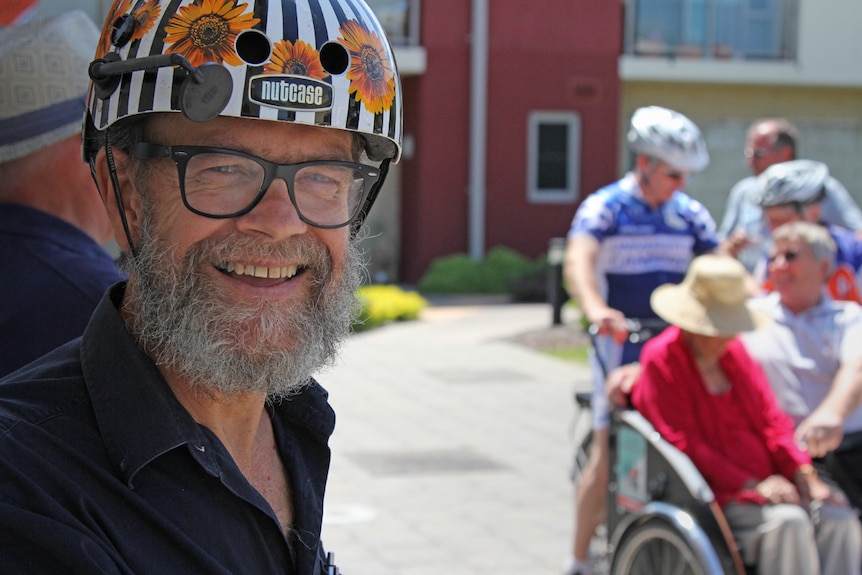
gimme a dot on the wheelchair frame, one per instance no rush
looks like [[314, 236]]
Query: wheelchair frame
[[662, 516]]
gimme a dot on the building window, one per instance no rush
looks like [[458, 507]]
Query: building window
[[712, 29], [554, 150], [400, 19]]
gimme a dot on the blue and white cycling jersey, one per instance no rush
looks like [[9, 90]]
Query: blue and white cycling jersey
[[642, 248]]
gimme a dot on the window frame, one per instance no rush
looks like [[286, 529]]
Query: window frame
[[572, 121]]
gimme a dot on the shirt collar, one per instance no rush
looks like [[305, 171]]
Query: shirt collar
[[771, 303], [138, 415]]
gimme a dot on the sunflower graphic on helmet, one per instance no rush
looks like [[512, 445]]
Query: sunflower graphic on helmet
[[145, 17], [371, 73], [206, 31], [145, 14], [299, 58]]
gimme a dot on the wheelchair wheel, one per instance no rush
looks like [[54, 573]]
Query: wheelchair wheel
[[655, 547]]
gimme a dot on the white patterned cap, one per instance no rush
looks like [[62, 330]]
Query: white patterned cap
[[43, 81]]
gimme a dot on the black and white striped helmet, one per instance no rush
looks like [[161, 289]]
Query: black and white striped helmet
[[794, 182], [324, 63], [668, 136]]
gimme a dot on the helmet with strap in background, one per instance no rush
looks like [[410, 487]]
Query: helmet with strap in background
[[667, 136], [795, 182]]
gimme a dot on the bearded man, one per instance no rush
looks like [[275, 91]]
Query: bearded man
[[183, 432]]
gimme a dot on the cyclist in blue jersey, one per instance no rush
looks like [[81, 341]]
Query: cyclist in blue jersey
[[627, 239], [794, 191]]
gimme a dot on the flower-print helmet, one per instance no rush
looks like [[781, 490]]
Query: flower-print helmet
[[323, 63], [800, 182], [668, 136]]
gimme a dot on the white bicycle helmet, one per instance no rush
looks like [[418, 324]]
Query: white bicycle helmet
[[794, 182], [323, 63], [669, 137]]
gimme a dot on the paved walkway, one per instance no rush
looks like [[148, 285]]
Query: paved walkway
[[452, 447]]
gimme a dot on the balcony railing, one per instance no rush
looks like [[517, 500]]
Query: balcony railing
[[712, 29], [400, 19]]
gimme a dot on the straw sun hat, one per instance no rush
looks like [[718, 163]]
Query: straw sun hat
[[711, 300]]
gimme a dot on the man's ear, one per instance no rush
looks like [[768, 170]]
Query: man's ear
[[120, 197]]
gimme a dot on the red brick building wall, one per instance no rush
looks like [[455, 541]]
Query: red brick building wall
[[543, 55]]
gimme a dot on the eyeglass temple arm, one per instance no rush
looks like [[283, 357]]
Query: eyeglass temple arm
[[369, 200]]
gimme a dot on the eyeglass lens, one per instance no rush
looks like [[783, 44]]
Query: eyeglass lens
[[219, 184], [756, 153]]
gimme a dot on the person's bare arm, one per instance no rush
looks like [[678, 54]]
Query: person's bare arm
[[579, 269], [823, 429], [620, 382]]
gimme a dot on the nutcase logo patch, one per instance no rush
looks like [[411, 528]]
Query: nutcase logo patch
[[290, 92]]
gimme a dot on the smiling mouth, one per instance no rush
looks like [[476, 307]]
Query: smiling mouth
[[282, 272]]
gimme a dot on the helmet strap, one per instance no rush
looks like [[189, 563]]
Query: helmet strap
[[115, 184]]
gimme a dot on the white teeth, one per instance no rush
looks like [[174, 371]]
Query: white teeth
[[259, 271]]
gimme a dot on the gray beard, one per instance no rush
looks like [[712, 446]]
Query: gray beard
[[227, 348]]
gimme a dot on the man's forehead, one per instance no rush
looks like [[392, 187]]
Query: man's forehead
[[246, 134], [787, 212], [764, 136], [789, 242]]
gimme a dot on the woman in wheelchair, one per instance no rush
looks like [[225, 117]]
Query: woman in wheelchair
[[705, 395]]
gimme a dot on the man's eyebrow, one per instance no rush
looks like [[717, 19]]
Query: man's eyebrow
[[271, 154]]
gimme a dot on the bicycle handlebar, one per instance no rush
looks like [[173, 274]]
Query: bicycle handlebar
[[639, 330]]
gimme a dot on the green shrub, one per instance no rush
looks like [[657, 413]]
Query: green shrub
[[501, 267], [502, 271], [382, 304], [458, 273]]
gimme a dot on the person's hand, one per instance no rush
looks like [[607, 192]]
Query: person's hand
[[620, 382], [820, 432], [607, 320], [812, 488], [778, 489], [735, 242]]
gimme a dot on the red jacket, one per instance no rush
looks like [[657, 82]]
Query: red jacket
[[730, 437]]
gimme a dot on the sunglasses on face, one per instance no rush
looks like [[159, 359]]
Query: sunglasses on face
[[789, 256], [674, 175], [756, 153]]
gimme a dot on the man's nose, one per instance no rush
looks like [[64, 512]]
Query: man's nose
[[274, 216]]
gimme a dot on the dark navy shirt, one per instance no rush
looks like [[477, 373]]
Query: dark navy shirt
[[55, 275], [103, 471]]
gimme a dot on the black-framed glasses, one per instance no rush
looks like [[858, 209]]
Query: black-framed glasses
[[224, 183], [789, 256]]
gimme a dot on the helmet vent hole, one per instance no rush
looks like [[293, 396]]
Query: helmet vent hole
[[253, 47], [334, 58]]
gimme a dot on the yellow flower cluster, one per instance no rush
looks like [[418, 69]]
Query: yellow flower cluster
[[382, 304]]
